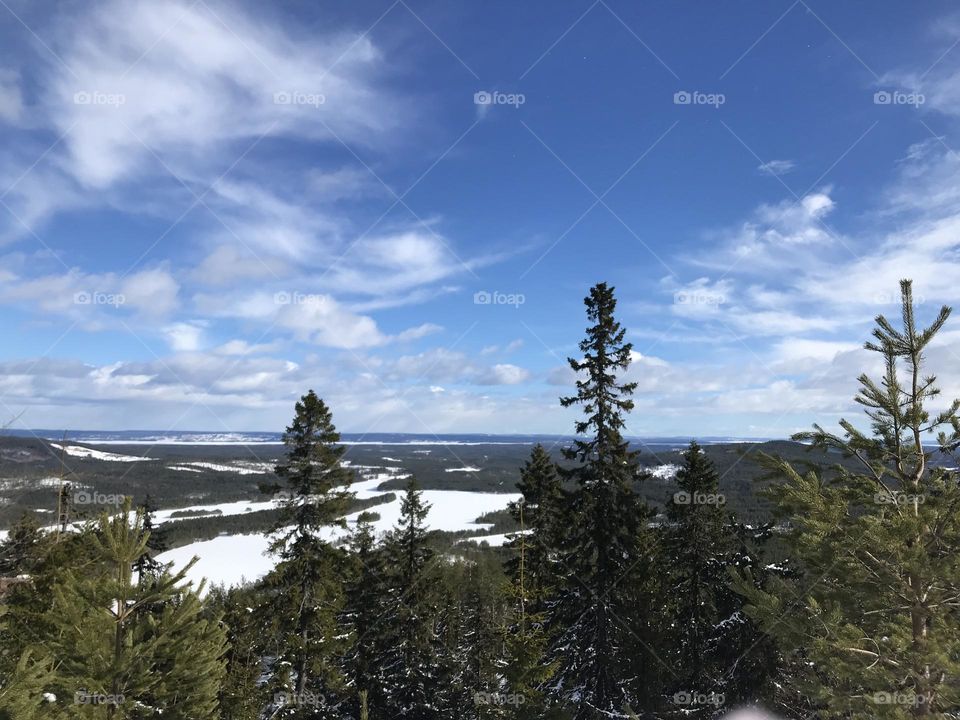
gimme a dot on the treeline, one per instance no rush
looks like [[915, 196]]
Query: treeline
[[601, 609]]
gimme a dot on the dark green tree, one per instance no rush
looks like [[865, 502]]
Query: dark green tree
[[408, 640], [242, 695], [600, 610], [539, 511], [872, 628], [717, 657], [363, 609], [146, 566], [304, 593]]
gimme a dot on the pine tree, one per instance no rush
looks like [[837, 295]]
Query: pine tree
[[694, 551], [872, 628], [146, 566], [526, 670], [539, 510], [23, 682], [483, 641], [712, 647], [19, 548], [304, 594], [363, 609], [111, 654], [599, 609], [242, 695], [408, 642]]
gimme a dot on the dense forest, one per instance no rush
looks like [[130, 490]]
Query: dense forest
[[844, 604]]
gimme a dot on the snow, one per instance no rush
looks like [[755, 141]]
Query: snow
[[665, 472], [228, 560], [78, 451], [494, 540], [462, 469], [240, 468], [233, 559], [231, 508]]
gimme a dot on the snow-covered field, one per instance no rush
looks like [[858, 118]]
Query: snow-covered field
[[230, 560], [231, 508], [239, 467], [462, 469], [77, 451]]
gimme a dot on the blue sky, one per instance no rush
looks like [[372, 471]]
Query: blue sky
[[208, 207]]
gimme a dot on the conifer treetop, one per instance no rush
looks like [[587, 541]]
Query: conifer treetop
[[604, 400]]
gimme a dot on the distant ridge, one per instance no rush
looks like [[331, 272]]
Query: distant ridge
[[160, 437]]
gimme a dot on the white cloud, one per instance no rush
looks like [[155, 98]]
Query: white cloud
[[184, 337], [503, 374], [95, 298], [777, 167], [187, 78]]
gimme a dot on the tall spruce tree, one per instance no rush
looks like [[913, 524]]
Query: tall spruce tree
[[407, 637], [304, 593], [599, 609], [717, 656], [695, 549], [873, 626]]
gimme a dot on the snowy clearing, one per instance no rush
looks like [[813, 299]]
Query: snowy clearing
[[231, 508], [232, 559], [77, 451], [239, 468], [462, 469]]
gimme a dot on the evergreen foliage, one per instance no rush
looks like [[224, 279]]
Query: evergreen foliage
[[598, 613], [303, 595], [872, 626]]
